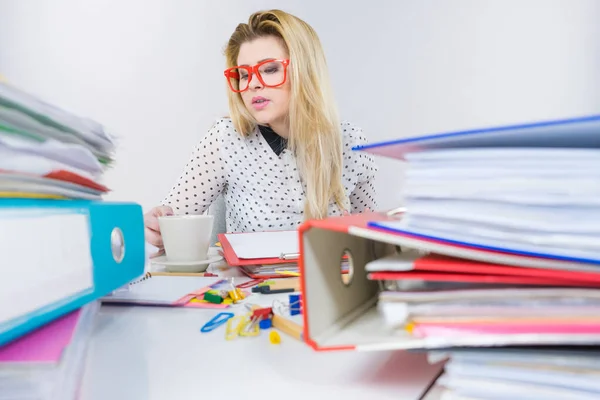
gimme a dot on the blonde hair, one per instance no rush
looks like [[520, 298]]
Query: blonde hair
[[315, 133]]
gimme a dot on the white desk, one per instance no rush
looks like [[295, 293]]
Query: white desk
[[150, 353]]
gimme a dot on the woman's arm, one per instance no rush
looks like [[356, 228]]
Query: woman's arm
[[362, 166], [202, 179], [363, 197]]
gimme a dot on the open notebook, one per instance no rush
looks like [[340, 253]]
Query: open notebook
[[48, 363], [175, 291]]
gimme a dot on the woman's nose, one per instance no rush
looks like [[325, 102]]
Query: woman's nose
[[255, 83]]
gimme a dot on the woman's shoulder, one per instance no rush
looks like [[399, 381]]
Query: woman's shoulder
[[223, 125], [352, 135]]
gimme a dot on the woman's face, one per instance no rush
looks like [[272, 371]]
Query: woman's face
[[268, 105]]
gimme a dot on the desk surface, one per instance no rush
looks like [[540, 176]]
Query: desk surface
[[159, 353]]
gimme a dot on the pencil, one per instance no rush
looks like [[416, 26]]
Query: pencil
[[288, 273], [287, 326], [179, 274]]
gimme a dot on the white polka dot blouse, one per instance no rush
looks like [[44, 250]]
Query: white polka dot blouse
[[262, 187]]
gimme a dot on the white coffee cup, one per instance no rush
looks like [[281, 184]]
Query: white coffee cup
[[186, 238]]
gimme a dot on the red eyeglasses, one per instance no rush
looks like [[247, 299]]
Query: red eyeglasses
[[271, 73]]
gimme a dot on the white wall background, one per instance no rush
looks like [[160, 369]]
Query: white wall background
[[151, 70]]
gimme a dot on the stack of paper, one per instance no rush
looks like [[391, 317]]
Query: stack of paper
[[521, 373], [46, 152], [48, 363], [519, 199], [528, 189]]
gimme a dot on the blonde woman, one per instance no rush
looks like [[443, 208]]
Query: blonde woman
[[283, 156]]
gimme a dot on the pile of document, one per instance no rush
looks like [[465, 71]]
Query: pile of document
[[48, 363], [532, 200], [522, 373], [46, 152], [504, 268]]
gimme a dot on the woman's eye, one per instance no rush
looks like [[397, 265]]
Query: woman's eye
[[243, 77], [271, 70]]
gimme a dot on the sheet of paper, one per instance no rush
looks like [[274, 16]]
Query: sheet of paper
[[263, 244], [45, 345], [70, 154], [160, 290], [15, 160], [46, 257]]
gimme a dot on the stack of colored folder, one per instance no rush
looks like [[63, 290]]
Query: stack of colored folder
[[504, 226], [62, 247]]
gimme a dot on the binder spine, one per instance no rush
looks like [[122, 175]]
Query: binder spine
[[112, 267]]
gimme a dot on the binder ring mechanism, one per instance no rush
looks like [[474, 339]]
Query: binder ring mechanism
[[117, 245], [398, 211]]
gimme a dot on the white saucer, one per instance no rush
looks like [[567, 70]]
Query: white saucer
[[187, 266]]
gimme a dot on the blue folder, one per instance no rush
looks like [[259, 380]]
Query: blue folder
[[109, 271], [581, 132]]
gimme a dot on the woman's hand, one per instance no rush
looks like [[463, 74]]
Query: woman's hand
[[152, 229]]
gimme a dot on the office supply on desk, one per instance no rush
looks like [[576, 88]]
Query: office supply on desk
[[59, 255], [242, 325], [278, 271], [216, 321], [278, 286], [287, 326], [274, 337], [250, 283], [174, 291], [265, 324], [289, 256], [258, 248], [191, 274], [288, 273], [295, 304], [272, 271], [268, 290], [47, 363]]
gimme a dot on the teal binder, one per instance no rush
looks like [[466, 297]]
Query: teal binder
[[116, 245]]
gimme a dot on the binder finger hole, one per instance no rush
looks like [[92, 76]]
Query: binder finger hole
[[117, 242], [346, 267]]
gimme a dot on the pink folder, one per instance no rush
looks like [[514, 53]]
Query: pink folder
[[44, 345]]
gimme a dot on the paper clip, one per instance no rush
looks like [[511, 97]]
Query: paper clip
[[250, 283], [231, 331], [217, 321], [250, 326]]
